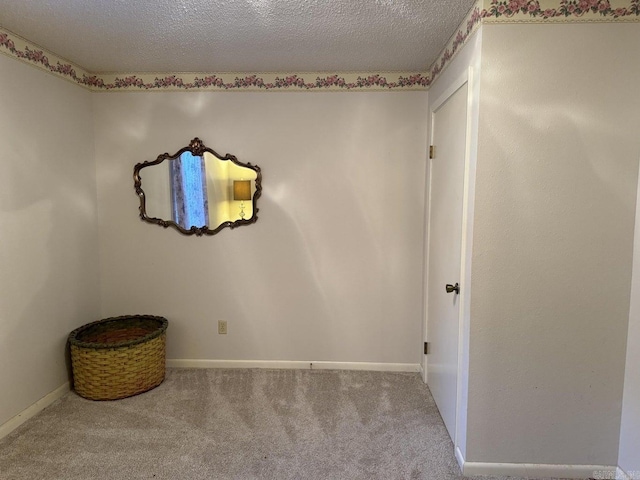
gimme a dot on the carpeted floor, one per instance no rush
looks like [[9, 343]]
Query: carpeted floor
[[241, 424]]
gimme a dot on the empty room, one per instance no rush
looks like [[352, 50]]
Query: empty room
[[305, 239]]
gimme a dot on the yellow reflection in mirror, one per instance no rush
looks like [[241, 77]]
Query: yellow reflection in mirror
[[220, 179]]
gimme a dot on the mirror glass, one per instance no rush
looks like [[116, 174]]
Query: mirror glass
[[198, 191]]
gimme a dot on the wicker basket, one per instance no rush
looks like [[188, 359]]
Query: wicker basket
[[118, 357]]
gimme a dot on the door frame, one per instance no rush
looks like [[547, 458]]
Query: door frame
[[465, 248]]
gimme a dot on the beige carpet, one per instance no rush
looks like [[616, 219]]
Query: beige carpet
[[241, 424]]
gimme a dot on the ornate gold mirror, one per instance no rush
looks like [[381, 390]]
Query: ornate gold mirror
[[197, 191]]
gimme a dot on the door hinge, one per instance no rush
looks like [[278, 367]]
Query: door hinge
[[426, 348], [432, 151]]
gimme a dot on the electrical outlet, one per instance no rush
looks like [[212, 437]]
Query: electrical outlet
[[222, 327]]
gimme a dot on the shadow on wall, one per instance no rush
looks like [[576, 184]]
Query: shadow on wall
[[48, 264]]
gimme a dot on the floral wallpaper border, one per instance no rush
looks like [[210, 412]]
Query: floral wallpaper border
[[17, 47], [262, 82], [468, 26], [485, 11], [496, 11]]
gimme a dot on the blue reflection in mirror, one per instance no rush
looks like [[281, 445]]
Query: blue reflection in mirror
[[189, 191]]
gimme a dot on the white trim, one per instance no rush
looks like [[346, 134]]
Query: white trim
[[425, 252], [538, 470], [467, 78], [13, 423], [456, 85], [459, 457], [306, 365], [622, 475]]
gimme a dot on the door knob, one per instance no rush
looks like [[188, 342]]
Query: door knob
[[453, 288]]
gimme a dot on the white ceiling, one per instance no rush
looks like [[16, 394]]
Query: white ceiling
[[239, 35]]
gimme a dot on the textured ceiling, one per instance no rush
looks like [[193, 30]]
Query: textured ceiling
[[239, 35]]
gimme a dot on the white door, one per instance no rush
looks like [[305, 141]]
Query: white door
[[446, 186]]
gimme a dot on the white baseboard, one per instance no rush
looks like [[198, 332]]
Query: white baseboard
[[622, 475], [278, 364], [537, 470], [9, 426]]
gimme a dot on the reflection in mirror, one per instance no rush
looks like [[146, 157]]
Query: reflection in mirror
[[197, 191]]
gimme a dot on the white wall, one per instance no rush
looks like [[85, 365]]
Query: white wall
[[48, 230], [629, 454], [332, 269], [465, 65], [554, 215]]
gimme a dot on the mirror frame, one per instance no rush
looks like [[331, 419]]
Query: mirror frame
[[197, 148]]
